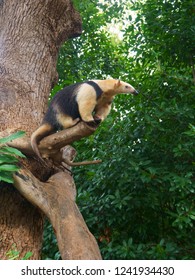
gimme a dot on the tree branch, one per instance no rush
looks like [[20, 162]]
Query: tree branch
[[56, 197], [51, 145], [74, 238]]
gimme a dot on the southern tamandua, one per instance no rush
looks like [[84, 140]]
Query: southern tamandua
[[88, 101]]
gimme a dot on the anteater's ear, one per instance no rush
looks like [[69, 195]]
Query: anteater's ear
[[118, 83]]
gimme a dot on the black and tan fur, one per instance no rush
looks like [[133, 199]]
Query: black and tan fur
[[88, 101]]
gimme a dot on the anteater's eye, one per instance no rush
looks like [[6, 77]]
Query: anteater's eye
[[126, 86]]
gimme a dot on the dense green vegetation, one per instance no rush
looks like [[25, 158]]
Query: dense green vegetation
[[139, 203]]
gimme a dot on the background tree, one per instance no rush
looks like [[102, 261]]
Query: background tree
[[140, 201]]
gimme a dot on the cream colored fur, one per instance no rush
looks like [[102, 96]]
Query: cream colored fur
[[86, 99]]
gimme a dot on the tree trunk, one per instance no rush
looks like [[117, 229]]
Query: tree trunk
[[31, 33], [21, 225]]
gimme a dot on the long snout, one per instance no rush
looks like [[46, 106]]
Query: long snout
[[136, 92]]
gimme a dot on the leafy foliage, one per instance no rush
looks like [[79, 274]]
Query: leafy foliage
[[139, 202], [14, 254], [50, 248], [9, 157]]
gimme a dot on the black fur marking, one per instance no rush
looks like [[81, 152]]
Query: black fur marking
[[64, 102], [98, 90]]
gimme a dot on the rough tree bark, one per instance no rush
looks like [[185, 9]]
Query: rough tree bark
[[31, 33]]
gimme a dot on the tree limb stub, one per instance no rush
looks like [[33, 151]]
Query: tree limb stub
[[74, 239], [67, 156]]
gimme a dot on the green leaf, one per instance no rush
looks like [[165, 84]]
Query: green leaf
[[6, 177], [9, 167], [7, 159], [27, 256], [12, 137], [12, 151]]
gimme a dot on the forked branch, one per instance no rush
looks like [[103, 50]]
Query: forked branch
[[56, 198]]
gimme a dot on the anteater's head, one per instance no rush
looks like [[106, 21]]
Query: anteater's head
[[122, 87]]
